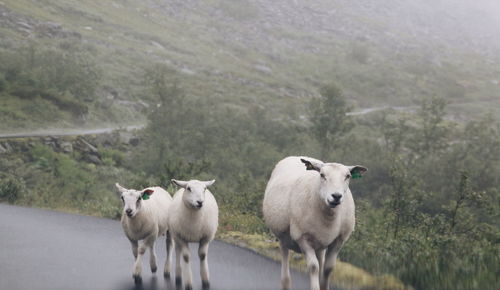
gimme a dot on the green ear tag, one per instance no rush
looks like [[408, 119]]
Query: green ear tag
[[145, 196], [356, 175]]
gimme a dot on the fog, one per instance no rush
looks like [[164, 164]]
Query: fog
[[142, 91]]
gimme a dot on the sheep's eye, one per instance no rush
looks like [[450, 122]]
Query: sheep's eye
[[322, 176], [347, 176], [122, 198], [188, 188]]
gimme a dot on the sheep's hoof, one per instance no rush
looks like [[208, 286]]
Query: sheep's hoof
[[137, 279], [153, 269], [178, 280], [188, 287], [166, 275], [205, 285]]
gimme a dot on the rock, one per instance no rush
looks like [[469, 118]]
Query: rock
[[93, 159], [66, 146], [187, 71], [125, 137], [24, 25], [50, 141], [134, 141], [7, 146], [263, 68], [3, 150], [107, 139], [83, 146]]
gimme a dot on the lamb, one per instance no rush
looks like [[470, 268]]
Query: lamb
[[144, 218], [309, 207], [193, 218]]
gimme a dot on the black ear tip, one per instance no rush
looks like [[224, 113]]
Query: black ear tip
[[304, 161]]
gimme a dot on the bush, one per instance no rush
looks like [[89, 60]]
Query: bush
[[66, 79], [10, 189], [3, 83], [112, 157]]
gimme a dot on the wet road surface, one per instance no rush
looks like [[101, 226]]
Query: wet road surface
[[41, 249]]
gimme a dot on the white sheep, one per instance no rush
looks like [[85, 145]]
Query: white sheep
[[144, 218], [193, 218], [309, 207]]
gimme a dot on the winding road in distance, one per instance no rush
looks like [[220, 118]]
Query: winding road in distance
[[69, 132], [41, 249], [105, 130]]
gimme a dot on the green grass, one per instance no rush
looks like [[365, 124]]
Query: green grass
[[124, 37], [345, 275]]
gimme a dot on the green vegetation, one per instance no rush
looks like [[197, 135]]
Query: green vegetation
[[427, 211], [329, 120], [226, 98], [242, 54], [35, 175], [41, 85], [430, 197]]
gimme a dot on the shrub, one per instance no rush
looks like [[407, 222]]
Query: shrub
[[3, 83], [10, 189]]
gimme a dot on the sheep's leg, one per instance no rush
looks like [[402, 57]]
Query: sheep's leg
[[178, 269], [187, 276], [152, 255], [138, 263], [311, 261], [286, 281], [330, 259], [168, 261], [134, 245], [202, 253], [320, 255]]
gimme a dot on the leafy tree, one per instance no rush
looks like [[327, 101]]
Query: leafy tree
[[431, 135], [329, 119]]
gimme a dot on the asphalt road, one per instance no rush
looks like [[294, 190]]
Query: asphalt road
[[69, 132], [42, 249]]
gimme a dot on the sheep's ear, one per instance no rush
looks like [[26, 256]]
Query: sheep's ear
[[180, 183], [146, 194], [311, 165], [208, 183], [357, 171], [120, 188]]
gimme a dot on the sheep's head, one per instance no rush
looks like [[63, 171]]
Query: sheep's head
[[334, 179], [194, 192], [132, 199]]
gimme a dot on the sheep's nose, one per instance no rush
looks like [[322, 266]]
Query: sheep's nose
[[336, 196], [199, 203], [128, 212]]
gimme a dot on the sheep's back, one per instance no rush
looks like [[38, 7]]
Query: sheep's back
[[160, 202], [282, 189], [194, 225]]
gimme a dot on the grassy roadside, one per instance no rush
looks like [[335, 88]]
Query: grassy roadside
[[345, 276]]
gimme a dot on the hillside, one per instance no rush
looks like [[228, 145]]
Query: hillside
[[273, 53], [225, 89]]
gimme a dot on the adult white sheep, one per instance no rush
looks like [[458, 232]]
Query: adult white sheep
[[144, 218], [193, 218], [309, 207]]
